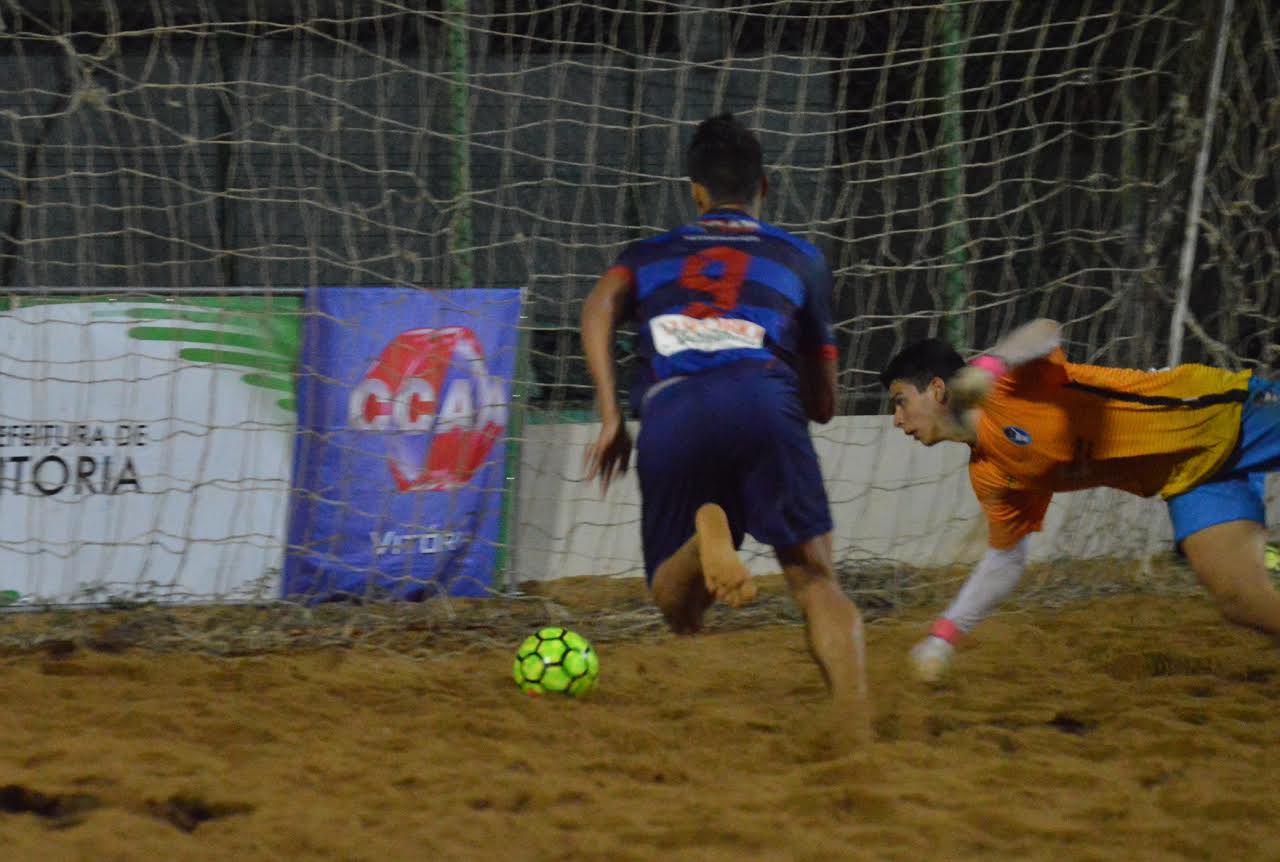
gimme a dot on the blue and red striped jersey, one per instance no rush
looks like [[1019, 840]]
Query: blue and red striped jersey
[[726, 288]]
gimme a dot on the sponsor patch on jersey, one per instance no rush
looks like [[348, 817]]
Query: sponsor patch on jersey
[[1017, 436], [673, 333]]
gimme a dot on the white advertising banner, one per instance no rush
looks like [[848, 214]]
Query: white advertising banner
[[145, 449]]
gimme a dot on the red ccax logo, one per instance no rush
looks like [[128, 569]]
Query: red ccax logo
[[431, 396]]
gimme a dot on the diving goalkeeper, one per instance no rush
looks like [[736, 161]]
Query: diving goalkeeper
[[1200, 437]]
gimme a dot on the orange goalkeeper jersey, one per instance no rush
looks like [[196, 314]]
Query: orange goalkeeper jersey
[[1052, 425]]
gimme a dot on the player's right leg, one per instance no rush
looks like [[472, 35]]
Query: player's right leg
[[785, 506], [1229, 560], [833, 623], [1220, 523]]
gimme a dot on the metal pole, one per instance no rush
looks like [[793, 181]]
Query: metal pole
[[956, 290], [223, 46], [506, 563], [1187, 260], [460, 274]]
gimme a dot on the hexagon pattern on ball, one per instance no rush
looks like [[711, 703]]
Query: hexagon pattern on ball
[[555, 660]]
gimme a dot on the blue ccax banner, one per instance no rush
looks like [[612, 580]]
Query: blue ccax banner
[[398, 463]]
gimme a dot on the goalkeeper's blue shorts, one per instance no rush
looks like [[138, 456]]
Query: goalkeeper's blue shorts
[[1237, 491], [736, 436]]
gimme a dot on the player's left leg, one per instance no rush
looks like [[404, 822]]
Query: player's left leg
[[690, 516], [679, 590], [724, 574], [1229, 560], [704, 568]]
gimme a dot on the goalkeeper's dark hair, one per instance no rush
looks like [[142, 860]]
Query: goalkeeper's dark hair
[[725, 157], [920, 362]]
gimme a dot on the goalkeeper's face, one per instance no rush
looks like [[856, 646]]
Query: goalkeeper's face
[[921, 413]]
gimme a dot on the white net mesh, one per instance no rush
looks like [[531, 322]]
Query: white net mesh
[[964, 166]]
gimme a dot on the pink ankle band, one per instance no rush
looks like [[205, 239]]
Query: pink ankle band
[[945, 629]]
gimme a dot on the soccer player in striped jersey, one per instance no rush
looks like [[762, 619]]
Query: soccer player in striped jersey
[[737, 353], [1200, 437]]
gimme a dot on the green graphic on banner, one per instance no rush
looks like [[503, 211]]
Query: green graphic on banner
[[262, 334]]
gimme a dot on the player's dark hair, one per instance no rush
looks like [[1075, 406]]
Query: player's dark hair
[[725, 157], [920, 362]]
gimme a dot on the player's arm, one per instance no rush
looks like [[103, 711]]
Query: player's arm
[[819, 360], [607, 304], [990, 582], [1012, 515], [970, 385], [818, 387]]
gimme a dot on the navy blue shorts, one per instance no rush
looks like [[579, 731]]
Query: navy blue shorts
[[736, 436], [1236, 492]]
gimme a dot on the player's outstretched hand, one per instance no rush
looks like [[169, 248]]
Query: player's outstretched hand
[[931, 659], [611, 454], [1030, 341], [969, 387]]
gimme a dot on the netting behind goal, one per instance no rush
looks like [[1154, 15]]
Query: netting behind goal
[[964, 166]]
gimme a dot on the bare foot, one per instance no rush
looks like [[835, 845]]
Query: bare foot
[[726, 577], [835, 730], [849, 693], [853, 710]]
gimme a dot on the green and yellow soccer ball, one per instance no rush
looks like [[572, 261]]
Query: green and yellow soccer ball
[[556, 660]]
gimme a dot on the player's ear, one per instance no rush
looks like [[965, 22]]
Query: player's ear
[[701, 197], [938, 389]]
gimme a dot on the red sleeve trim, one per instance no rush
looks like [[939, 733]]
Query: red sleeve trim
[[827, 352], [624, 272]]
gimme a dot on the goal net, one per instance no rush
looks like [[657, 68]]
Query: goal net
[[173, 177]]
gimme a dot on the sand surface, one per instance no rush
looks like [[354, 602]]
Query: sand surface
[[1127, 728]]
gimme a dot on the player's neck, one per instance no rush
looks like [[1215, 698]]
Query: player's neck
[[963, 428], [752, 210]]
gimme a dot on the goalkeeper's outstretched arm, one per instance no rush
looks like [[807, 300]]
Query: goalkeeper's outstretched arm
[[1029, 342], [992, 579]]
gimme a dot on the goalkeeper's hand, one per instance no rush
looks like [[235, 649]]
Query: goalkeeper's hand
[[969, 387], [1029, 342], [931, 659]]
